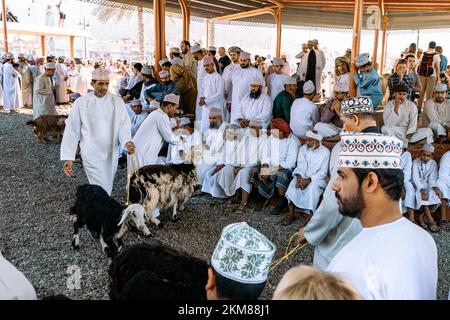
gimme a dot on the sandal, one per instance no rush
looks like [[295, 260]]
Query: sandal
[[433, 227], [443, 224], [288, 219], [241, 209], [422, 224]]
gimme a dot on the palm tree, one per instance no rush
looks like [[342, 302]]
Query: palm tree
[[106, 13]]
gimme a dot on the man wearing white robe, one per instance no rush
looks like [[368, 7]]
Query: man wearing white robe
[[27, 80], [409, 197], [148, 81], [436, 113], [81, 83], [43, 97], [255, 105], [62, 76], [212, 91], [444, 185], [241, 80], [12, 95], [304, 113], [198, 55], [400, 118], [303, 64], [13, 283], [275, 82], [320, 65], [227, 75], [100, 124], [186, 152], [155, 130], [309, 177]]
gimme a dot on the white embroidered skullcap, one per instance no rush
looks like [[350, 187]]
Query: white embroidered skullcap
[[155, 104], [370, 151], [172, 98], [278, 62], [100, 74], [212, 48], [184, 121], [356, 105], [147, 70], [315, 136], [255, 123], [243, 254], [50, 65], [163, 74], [342, 86], [177, 61], [30, 58], [175, 50], [215, 112], [290, 80], [234, 49], [244, 55], [9, 56], [362, 59], [196, 48], [440, 87], [207, 60], [257, 81], [21, 55], [427, 147], [162, 61], [309, 87], [136, 102]]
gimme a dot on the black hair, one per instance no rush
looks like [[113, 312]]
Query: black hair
[[439, 49], [410, 55], [402, 61], [176, 54], [233, 290], [186, 42], [138, 66], [432, 45], [391, 180], [366, 65], [363, 116], [167, 104], [168, 63]]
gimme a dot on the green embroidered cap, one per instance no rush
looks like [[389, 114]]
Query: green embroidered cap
[[243, 254]]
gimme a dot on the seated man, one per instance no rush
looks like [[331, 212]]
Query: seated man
[[277, 163], [159, 91], [400, 76], [309, 178], [330, 122], [436, 114], [240, 264], [304, 113], [283, 101], [254, 105], [190, 148], [409, 196], [400, 118], [444, 185]]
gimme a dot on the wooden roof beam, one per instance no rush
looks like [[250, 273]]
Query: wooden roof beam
[[247, 14]]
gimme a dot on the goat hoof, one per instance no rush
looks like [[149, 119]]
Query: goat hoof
[[75, 246], [160, 225]]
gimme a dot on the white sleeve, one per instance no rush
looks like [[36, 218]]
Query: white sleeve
[[124, 123], [218, 94], [291, 158], [301, 164], [412, 128], [416, 176], [166, 132], [323, 171], [434, 174]]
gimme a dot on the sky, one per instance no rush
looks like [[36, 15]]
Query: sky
[[333, 42]]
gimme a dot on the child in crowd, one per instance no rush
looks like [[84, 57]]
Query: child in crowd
[[408, 198]]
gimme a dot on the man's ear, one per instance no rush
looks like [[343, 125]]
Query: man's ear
[[211, 285], [355, 120], [372, 182]]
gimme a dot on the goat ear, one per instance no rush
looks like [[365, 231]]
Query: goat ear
[[125, 214]]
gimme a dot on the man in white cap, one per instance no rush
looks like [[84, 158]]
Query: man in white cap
[[227, 73], [409, 196], [212, 52], [99, 122], [379, 261], [13, 284], [275, 82], [330, 123], [212, 92], [310, 177], [198, 54], [190, 149], [148, 81], [283, 101], [175, 58], [12, 99], [320, 65], [367, 79], [27, 80], [156, 130], [241, 80], [188, 59], [304, 113], [327, 230], [254, 105], [240, 264], [436, 113], [62, 77], [160, 90], [43, 97], [400, 118], [302, 65]]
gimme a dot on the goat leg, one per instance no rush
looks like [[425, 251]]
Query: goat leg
[[77, 225], [109, 246]]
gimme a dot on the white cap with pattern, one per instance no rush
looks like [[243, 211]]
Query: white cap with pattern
[[172, 98], [309, 87], [50, 65], [278, 62], [196, 48], [356, 105], [163, 61], [163, 74], [147, 70], [100, 74]]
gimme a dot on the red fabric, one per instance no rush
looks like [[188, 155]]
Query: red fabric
[[281, 125]]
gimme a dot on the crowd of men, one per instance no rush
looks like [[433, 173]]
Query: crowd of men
[[261, 137]]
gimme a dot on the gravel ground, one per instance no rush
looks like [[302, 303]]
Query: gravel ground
[[35, 231]]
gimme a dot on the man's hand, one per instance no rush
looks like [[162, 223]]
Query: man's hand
[[202, 101], [130, 147], [299, 183], [244, 123], [66, 78], [68, 170], [409, 136], [424, 194], [301, 236], [125, 98], [438, 192], [229, 107], [306, 182], [217, 169], [150, 99], [236, 170]]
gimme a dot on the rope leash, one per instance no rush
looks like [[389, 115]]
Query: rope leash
[[288, 253], [130, 173]]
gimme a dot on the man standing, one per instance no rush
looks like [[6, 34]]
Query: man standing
[[379, 261], [303, 64], [189, 62], [27, 80], [155, 130], [429, 70], [304, 113], [175, 58], [212, 52], [311, 64], [283, 101], [100, 123], [444, 60], [43, 97], [436, 113], [241, 80], [227, 74], [224, 60], [320, 65], [12, 99], [255, 105], [400, 76], [62, 76], [213, 90], [400, 118], [275, 82], [412, 73], [198, 55]]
